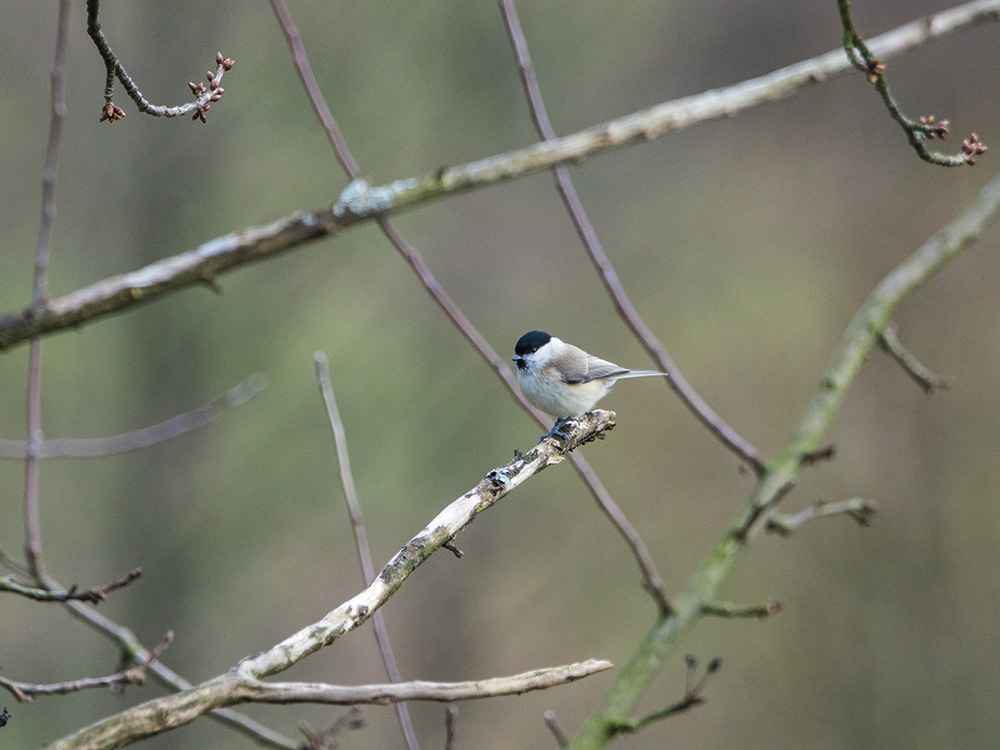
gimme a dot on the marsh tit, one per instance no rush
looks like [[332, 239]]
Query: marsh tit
[[563, 380]]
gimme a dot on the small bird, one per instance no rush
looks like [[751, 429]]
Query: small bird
[[563, 380]]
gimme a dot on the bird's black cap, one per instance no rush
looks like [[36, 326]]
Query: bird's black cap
[[531, 342]]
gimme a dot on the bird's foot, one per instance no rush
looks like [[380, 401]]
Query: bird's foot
[[557, 430]]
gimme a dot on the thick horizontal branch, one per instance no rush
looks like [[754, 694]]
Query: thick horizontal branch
[[445, 692], [239, 684], [359, 202]]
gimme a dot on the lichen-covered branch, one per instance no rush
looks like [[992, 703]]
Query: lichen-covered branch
[[361, 202], [244, 682]]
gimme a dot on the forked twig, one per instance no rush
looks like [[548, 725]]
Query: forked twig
[[918, 131], [92, 595], [205, 96]]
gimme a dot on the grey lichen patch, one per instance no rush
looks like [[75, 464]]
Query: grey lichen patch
[[361, 199]]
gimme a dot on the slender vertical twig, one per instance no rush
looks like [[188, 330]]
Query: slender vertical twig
[[361, 539], [695, 403], [32, 514], [651, 579]]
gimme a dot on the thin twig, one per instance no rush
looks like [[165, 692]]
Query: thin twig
[[205, 96], [361, 538], [92, 595], [651, 579], [918, 132], [693, 696], [556, 727], [329, 738], [860, 510], [142, 438], [203, 264], [602, 263], [32, 520], [134, 675], [451, 727], [927, 380], [728, 609]]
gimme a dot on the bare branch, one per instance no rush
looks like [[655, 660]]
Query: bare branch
[[443, 692], [142, 438], [588, 235], [205, 263], [651, 579], [927, 380], [693, 696], [919, 131], [361, 538], [451, 727], [329, 738], [205, 96], [92, 595], [552, 722], [728, 609], [32, 520], [243, 682], [860, 336], [133, 649], [856, 508], [134, 675]]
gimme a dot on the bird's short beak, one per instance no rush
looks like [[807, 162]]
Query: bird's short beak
[[518, 360]]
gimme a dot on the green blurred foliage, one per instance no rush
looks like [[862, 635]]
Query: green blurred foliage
[[747, 244]]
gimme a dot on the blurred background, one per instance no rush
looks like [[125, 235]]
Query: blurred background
[[747, 245]]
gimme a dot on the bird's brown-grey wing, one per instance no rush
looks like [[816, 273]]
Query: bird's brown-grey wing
[[586, 367]]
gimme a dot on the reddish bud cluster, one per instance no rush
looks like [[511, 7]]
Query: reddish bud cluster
[[973, 147], [874, 69], [933, 129], [111, 112]]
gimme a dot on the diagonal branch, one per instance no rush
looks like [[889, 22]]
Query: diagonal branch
[[243, 682], [651, 579], [861, 335], [588, 235], [203, 264]]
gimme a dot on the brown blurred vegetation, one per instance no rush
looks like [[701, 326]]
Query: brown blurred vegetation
[[747, 244]]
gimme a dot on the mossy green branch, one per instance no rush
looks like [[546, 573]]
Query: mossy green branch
[[861, 335]]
